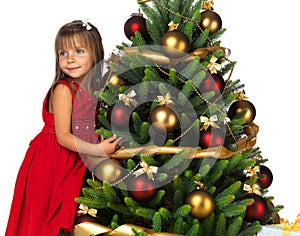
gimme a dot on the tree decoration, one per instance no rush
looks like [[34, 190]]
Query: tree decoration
[[141, 188], [136, 23], [163, 116], [115, 79], [266, 176], [175, 43], [210, 19], [257, 210], [119, 114], [213, 82], [201, 201], [240, 106], [109, 170], [211, 134], [213, 66]]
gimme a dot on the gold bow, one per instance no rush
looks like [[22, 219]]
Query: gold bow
[[213, 66], [173, 26], [209, 122], [146, 169], [128, 99], [164, 100], [254, 189], [284, 223], [241, 96], [207, 4], [251, 172], [86, 210]]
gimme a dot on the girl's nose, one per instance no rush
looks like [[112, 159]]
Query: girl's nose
[[71, 58]]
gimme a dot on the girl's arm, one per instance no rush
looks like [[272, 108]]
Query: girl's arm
[[61, 103]]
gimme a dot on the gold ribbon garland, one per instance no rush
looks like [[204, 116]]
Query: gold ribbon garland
[[219, 152], [91, 228], [160, 58]]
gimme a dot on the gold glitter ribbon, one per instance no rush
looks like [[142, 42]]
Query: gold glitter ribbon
[[86, 210], [160, 58], [128, 99], [209, 122], [219, 152], [149, 170], [91, 228], [287, 227]]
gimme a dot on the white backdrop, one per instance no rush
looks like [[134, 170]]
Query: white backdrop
[[262, 35]]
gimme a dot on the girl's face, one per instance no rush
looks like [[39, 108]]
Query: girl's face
[[75, 60]]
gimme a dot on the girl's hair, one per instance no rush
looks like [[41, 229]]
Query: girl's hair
[[90, 37]]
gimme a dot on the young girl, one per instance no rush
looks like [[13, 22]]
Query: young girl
[[52, 173]]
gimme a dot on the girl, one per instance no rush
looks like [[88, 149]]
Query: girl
[[52, 173]]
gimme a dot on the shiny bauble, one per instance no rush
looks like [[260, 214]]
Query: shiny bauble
[[175, 44], [257, 210], [86, 218], [163, 118], [202, 203], [211, 137], [141, 188], [109, 170], [210, 20], [115, 79], [266, 176], [118, 115], [136, 23], [237, 107], [213, 82]]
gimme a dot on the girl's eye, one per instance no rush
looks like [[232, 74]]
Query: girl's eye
[[79, 51], [62, 53]]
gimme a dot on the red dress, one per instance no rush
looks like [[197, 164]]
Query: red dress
[[51, 176]]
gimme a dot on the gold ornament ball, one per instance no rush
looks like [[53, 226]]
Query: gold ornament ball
[[210, 20], [164, 118], [109, 170], [202, 203], [175, 44], [115, 79], [238, 107]]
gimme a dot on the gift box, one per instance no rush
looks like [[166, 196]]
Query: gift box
[[283, 229], [277, 230]]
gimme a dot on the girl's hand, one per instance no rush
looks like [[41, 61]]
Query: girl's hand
[[110, 145]]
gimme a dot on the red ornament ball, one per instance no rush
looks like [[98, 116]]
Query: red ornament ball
[[211, 137], [118, 115], [136, 23], [266, 176], [141, 188], [213, 82], [257, 210]]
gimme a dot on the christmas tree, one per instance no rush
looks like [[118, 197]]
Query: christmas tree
[[188, 163]]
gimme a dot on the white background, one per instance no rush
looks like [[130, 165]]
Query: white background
[[263, 37]]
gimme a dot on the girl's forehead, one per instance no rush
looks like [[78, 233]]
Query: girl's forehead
[[71, 42]]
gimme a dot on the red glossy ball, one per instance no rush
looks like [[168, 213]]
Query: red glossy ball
[[257, 210], [136, 23], [266, 176], [141, 188], [118, 115], [211, 137], [213, 82]]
